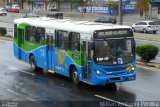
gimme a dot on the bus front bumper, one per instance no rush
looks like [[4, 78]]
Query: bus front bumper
[[98, 80]]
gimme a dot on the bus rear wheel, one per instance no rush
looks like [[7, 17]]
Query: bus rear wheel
[[33, 63], [74, 76]]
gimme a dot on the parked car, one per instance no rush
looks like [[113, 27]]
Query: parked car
[[145, 26], [7, 7], [107, 19], [14, 9], [3, 12], [57, 15], [27, 15]]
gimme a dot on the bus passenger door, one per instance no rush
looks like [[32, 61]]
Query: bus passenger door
[[87, 61], [50, 52], [21, 53]]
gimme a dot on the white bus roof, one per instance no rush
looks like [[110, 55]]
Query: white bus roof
[[67, 24]]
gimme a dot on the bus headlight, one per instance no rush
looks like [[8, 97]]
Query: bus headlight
[[132, 69], [100, 73]]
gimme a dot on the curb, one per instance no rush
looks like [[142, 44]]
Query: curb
[[150, 66], [6, 38]]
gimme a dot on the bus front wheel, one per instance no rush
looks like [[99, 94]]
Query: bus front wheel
[[75, 78], [33, 63]]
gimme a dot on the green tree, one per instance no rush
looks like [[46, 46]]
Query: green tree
[[113, 4], [147, 52], [143, 6], [82, 2]]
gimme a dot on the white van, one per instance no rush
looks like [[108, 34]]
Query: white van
[[15, 7]]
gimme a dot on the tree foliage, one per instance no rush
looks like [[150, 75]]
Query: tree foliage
[[3, 31], [112, 4], [82, 2], [147, 52], [143, 5]]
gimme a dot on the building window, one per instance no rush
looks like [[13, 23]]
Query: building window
[[74, 41]]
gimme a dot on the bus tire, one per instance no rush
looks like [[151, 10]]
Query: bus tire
[[33, 63], [74, 77], [154, 31], [144, 30]]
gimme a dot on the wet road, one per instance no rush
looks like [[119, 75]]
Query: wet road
[[18, 83]]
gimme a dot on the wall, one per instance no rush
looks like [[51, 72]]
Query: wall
[[129, 7], [65, 6]]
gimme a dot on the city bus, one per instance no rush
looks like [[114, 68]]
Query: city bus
[[89, 52]]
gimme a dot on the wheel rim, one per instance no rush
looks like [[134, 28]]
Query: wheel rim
[[32, 64], [75, 77], [144, 30]]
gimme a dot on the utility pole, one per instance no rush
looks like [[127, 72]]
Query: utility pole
[[120, 13]]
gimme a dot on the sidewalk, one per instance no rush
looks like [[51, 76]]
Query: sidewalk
[[150, 64], [8, 38], [150, 37]]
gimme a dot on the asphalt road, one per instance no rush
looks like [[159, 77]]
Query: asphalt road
[[30, 89]]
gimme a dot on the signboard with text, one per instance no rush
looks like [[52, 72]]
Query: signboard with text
[[38, 5]]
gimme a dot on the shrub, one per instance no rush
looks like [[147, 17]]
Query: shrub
[[147, 52], [3, 31]]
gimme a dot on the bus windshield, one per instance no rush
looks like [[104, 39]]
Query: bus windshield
[[114, 51]]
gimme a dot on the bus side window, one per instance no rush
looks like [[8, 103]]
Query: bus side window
[[27, 33], [31, 34], [62, 39], [59, 39], [65, 43], [74, 41], [40, 37], [15, 31]]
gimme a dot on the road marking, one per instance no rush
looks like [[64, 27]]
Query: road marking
[[12, 91], [32, 100], [14, 69], [112, 100], [18, 94]]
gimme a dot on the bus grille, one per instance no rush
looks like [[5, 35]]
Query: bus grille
[[116, 71], [115, 79]]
